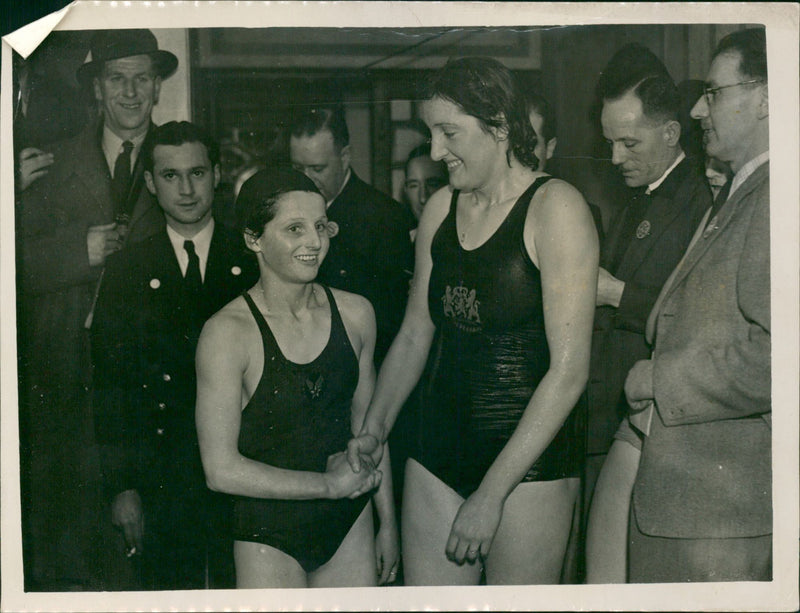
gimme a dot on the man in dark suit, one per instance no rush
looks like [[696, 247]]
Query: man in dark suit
[[154, 300], [701, 406], [372, 255], [90, 201], [646, 239]]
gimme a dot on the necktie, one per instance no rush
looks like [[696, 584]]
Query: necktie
[[192, 280], [722, 196], [120, 182]]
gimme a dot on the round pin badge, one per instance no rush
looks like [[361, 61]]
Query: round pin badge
[[236, 271], [155, 283], [643, 230]]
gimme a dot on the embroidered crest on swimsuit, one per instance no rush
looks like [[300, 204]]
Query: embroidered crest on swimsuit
[[314, 388], [461, 305]]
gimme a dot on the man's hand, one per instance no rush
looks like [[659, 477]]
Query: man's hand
[[343, 482], [102, 241], [33, 164], [126, 514], [609, 289], [639, 385], [362, 446]]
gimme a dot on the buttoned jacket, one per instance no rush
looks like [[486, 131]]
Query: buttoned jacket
[[144, 338], [705, 468], [618, 340]]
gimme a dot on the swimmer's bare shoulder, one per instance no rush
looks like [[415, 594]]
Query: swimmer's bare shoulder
[[229, 333], [358, 316]]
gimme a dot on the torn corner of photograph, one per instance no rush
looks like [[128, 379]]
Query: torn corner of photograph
[[25, 40]]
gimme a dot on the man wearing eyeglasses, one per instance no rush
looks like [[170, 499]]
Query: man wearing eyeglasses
[[701, 506]]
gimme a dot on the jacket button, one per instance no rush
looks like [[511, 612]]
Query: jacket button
[[166, 377], [162, 406], [160, 431]]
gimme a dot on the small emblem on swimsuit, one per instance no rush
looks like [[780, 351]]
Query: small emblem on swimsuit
[[314, 388], [155, 283], [461, 305], [643, 230], [236, 271]]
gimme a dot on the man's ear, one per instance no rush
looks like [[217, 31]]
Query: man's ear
[[98, 93], [345, 157], [251, 240], [217, 175], [672, 133], [148, 180], [551, 147]]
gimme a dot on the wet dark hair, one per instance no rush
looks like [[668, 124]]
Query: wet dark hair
[[636, 69], [310, 122], [255, 206], [177, 133], [487, 90], [751, 45]]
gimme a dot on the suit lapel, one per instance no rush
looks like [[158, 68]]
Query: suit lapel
[[660, 214], [94, 174], [611, 244], [711, 234]]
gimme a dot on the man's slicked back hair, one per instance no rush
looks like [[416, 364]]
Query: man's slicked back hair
[[751, 45], [636, 69], [177, 133], [313, 120]]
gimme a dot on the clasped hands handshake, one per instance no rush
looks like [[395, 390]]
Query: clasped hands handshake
[[354, 472]]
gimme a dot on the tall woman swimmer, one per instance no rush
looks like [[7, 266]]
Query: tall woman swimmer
[[285, 375], [498, 326]]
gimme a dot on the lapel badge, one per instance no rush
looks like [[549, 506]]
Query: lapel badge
[[643, 230], [236, 271], [155, 283]]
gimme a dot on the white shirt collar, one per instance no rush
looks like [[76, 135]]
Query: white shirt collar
[[341, 189], [112, 147], [202, 245], [746, 170], [654, 185]]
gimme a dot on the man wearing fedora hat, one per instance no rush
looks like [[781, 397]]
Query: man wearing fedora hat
[[90, 203]]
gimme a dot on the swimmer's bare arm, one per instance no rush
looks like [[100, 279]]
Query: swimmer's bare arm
[[359, 319], [223, 357], [405, 361]]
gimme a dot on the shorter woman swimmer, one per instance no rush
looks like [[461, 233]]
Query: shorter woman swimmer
[[285, 375]]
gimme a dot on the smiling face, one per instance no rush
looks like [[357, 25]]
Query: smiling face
[[734, 125], [642, 148], [183, 181], [321, 160], [296, 240], [473, 155], [127, 89]]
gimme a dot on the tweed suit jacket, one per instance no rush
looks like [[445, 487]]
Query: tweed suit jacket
[[372, 255], [618, 340], [705, 468], [144, 339]]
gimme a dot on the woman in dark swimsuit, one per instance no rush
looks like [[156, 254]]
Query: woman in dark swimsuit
[[285, 374], [498, 327]]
